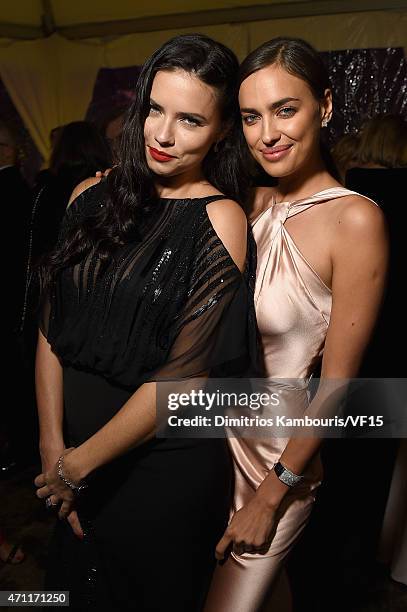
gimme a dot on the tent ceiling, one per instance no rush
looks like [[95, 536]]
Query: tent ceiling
[[74, 19], [66, 12]]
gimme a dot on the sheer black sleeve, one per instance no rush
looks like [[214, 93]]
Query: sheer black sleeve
[[215, 330], [73, 215]]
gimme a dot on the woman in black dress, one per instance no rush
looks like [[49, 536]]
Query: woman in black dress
[[149, 281]]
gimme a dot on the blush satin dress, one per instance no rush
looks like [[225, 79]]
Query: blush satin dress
[[293, 307]]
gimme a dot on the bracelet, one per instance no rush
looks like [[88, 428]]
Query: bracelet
[[75, 488], [287, 476]]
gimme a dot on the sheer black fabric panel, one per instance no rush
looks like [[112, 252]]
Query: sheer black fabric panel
[[173, 305]]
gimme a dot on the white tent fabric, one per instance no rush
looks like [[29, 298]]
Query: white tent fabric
[[50, 80]]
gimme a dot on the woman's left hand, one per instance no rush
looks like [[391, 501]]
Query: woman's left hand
[[50, 485], [250, 529]]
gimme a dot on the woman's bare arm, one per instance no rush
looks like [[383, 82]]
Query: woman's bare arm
[[48, 385], [359, 261]]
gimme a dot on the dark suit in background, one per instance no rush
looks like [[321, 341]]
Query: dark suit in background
[[17, 416]]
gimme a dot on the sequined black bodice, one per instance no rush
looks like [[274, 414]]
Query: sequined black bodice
[[172, 305]]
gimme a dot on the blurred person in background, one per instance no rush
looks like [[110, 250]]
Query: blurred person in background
[[112, 128], [54, 135], [44, 174], [79, 150], [381, 168], [16, 198], [344, 154]]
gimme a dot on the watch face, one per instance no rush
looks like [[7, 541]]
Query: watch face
[[286, 476]]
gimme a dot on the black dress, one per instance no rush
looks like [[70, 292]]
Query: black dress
[[171, 306]]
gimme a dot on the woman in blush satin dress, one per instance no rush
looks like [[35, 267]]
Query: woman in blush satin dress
[[321, 266]]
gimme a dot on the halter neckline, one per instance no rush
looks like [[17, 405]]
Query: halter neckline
[[323, 192]]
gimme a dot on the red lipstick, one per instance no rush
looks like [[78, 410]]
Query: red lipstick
[[160, 155]]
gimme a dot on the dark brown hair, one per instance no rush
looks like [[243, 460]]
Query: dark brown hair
[[296, 56]]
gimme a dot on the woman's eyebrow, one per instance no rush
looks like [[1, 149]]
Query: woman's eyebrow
[[282, 101], [181, 114], [193, 115], [249, 110], [273, 106], [154, 103]]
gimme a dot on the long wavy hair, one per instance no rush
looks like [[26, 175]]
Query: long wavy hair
[[300, 59], [131, 193]]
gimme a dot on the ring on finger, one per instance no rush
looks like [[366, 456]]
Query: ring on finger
[[49, 503]]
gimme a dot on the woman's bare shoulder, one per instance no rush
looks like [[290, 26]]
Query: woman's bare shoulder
[[358, 224], [355, 212], [230, 224], [226, 213]]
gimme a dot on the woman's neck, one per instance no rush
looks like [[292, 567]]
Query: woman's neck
[[186, 185], [312, 179]]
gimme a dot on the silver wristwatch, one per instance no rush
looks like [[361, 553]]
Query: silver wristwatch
[[287, 476]]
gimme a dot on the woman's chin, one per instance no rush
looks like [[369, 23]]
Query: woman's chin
[[162, 170], [277, 170]]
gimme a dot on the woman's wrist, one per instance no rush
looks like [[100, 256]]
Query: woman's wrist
[[74, 466], [52, 445], [272, 491]]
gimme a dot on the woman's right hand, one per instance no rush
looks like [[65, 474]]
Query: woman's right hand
[[49, 458]]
